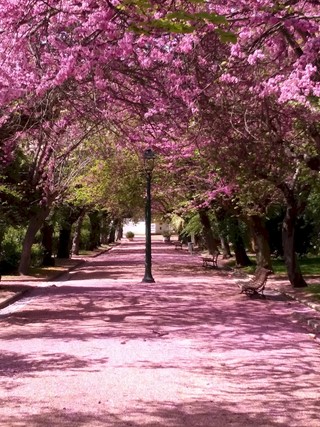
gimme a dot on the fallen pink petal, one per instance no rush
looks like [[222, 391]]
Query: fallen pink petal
[[100, 348]]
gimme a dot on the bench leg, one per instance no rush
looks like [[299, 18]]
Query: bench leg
[[209, 264], [255, 293]]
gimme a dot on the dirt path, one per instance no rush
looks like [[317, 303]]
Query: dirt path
[[104, 349]]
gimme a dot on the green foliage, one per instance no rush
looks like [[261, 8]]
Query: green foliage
[[183, 22], [238, 231], [226, 36], [14, 202], [306, 238], [37, 254], [192, 226], [179, 21], [85, 234], [314, 290], [11, 248], [177, 222], [312, 216], [112, 182], [274, 225], [171, 26], [129, 235], [310, 265]]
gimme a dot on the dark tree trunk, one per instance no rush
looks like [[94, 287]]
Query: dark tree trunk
[[211, 242], [95, 230], [112, 234], [47, 243], [261, 242], [113, 229], [293, 207], [288, 241], [77, 235], [119, 233], [34, 226], [242, 259], [70, 215], [64, 242]]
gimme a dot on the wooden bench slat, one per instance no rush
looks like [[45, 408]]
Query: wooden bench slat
[[256, 285], [210, 260]]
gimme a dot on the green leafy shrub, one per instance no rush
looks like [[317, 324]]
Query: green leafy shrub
[[85, 235], [11, 248], [129, 235], [37, 253]]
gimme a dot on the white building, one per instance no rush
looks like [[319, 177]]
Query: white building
[[139, 228]]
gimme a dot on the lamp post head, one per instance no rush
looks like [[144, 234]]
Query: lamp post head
[[148, 160]]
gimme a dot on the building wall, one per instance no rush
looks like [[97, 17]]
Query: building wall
[[139, 228]]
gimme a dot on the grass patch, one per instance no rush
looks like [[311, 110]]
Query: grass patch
[[41, 273], [62, 265], [45, 272], [314, 290], [84, 252], [310, 266]]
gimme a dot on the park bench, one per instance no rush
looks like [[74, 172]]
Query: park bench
[[177, 244], [256, 285], [210, 260]]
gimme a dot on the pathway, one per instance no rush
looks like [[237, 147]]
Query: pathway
[[104, 349]]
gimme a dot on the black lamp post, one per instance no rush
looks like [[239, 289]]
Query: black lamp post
[[148, 160]]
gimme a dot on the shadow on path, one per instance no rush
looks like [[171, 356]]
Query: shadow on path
[[105, 349]]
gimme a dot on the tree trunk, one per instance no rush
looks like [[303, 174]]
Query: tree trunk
[[64, 242], [34, 226], [293, 207], [47, 243], [95, 230], [288, 241], [207, 231], [261, 242], [77, 234], [70, 215], [119, 232], [242, 259], [113, 229]]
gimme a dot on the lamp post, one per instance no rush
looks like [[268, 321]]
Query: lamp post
[[148, 161]]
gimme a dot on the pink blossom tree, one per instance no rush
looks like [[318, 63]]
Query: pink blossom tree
[[159, 74]]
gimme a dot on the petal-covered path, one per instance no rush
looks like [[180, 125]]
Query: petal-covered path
[[104, 349]]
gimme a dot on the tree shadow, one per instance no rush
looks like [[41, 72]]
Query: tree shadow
[[231, 360], [199, 413], [12, 364]]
